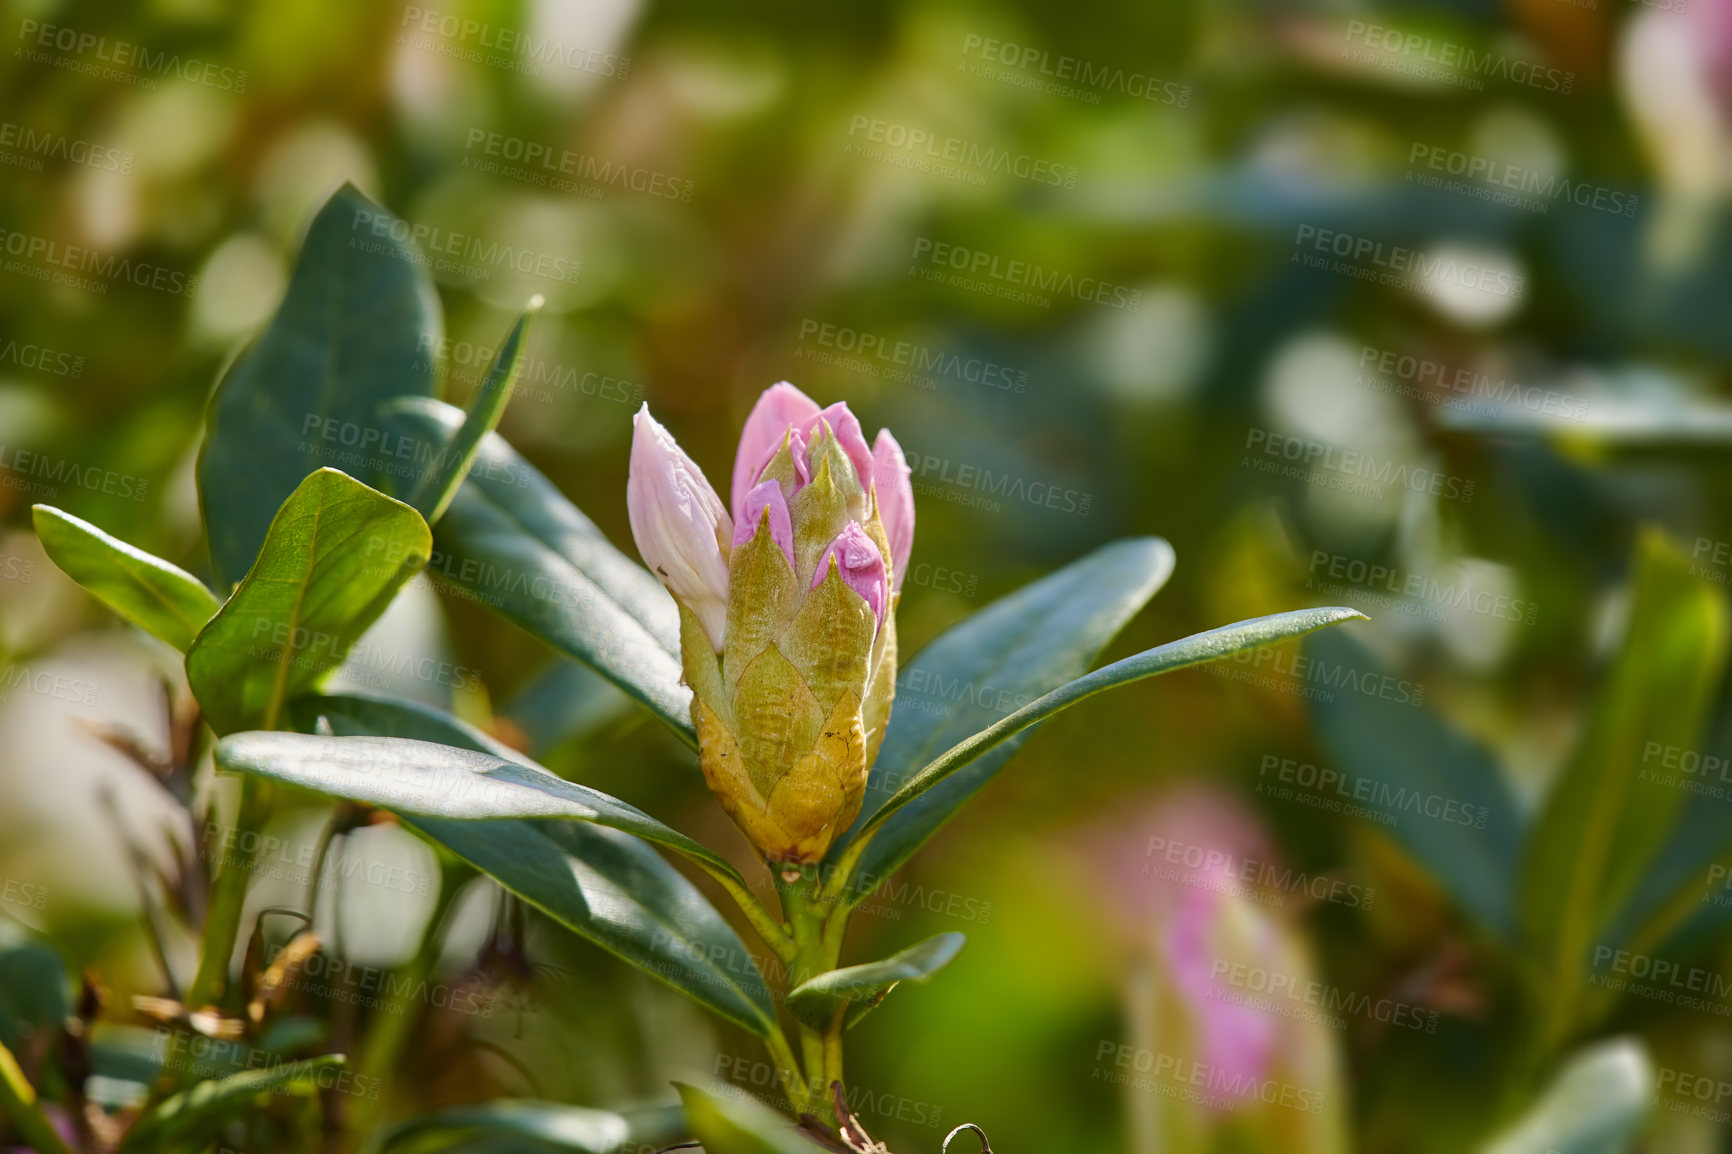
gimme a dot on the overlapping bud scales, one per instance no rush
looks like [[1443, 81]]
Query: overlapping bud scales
[[792, 681]]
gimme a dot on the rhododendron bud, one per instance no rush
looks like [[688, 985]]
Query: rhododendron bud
[[791, 695], [679, 524], [891, 476]]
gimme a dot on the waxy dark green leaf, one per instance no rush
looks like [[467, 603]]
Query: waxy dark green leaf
[[605, 886], [1394, 756], [433, 493], [862, 987], [1019, 647], [358, 325], [1197, 649], [336, 554], [424, 779], [514, 543], [162, 599], [545, 1126], [729, 1123]]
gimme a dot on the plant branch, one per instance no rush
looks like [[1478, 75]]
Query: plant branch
[[228, 899]]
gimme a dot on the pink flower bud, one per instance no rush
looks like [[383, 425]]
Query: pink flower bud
[[679, 524], [890, 474], [845, 426], [861, 566], [780, 407], [1213, 926], [766, 498]]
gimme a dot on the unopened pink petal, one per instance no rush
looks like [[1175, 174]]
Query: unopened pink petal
[[846, 429], [678, 523], [766, 498], [780, 407], [891, 476], [861, 566]]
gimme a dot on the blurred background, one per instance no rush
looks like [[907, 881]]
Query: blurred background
[[1419, 307]]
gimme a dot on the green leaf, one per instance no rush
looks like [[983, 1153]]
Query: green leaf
[[1194, 650], [433, 495], [733, 1122], [358, 325], [336, 553], [565, 702], [816, 1002], [607, 887], [1396, 757], [34, 991], [162, 599], [1595, 1105], [1602, 824], [209, 1104], [1019, 647], [513, 542], [423, 779], [545, 1125]]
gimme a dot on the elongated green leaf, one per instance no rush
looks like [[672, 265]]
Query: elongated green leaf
[[34, 991], [1019, 647], [336, 553], [162, 599], [1452, 809], [181, 1118], [614, 890], [1603, 823], [817, 1001], [434, 492], [359, 324], [1595, 1105], [544, 1125], [424, 779], [513, 542], [730, 1121], [607, 887], [1194, 650]]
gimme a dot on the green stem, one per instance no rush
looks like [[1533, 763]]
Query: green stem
[[765, 923], [816, 929], [18, 1102], [788, 1070], [222, 922]]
